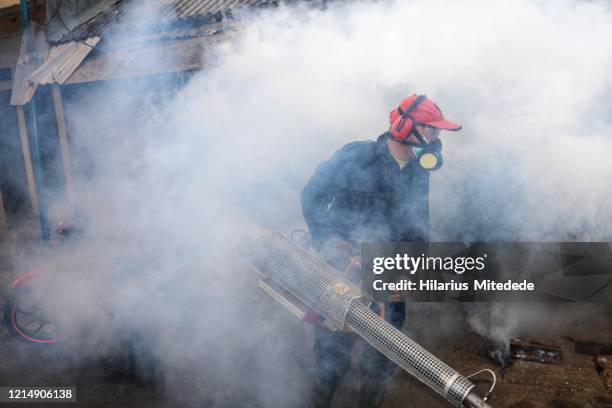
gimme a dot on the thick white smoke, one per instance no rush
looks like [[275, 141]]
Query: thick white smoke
[[166, 184]]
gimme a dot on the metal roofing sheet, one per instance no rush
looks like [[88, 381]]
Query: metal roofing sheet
[[147, 15]]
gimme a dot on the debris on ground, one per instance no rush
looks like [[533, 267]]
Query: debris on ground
[[536, 351], [600, 366]]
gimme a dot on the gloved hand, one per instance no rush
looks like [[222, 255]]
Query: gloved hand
[[353, 271]]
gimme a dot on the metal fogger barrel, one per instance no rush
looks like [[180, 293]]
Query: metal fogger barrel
[[323, 289]]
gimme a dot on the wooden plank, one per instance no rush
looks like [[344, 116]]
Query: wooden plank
[[44, 74], [64, 147], [78, 55], [27, 158], [8, 3], [174, 56], [537, 351], [62, 61], [32, 54]]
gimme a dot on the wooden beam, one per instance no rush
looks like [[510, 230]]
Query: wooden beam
[[163, 58], [8, 3], [32, 54], [62, 61], [27, 158], [64, 147]]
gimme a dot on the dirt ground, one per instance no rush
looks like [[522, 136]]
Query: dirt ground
[[575, 383], [101, 383]]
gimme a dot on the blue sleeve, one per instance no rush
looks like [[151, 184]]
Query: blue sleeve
[[319, 194]]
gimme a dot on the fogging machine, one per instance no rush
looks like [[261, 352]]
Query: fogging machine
[[297, 278]]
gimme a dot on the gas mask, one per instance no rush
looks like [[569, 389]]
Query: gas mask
[[429, 155]]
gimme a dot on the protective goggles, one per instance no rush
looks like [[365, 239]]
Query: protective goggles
[[429, 155]]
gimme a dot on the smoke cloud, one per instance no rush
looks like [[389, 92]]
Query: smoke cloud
[[168, 173]]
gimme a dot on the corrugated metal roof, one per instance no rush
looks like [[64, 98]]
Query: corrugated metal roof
[[154, 15]]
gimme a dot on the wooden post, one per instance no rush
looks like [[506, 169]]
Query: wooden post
[[64, 148], [27, 158]]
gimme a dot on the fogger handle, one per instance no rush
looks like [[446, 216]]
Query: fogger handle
[[474, 401]]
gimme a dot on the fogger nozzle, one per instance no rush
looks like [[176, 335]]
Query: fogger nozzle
[[320, 287]]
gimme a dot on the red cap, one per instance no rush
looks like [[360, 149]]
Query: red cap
[[425, 113]]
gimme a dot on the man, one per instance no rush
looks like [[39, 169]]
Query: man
[[371, 191]]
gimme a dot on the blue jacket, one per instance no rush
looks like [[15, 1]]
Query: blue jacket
[[361, 195]]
